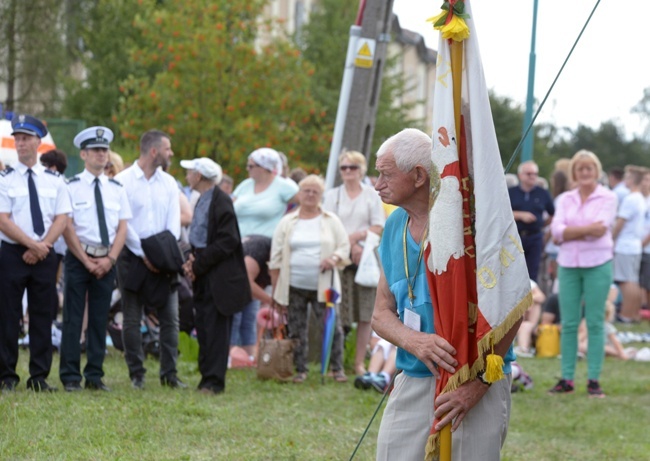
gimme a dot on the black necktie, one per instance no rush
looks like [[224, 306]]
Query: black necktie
[[34, 206], [103, 230]]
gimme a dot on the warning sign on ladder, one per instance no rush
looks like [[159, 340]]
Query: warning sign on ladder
[[365, 53]]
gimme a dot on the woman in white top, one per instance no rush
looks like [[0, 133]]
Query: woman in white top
[[308, 245], [359, 208]]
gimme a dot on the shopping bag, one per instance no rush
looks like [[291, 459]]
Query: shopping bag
[[368, 271], [275, 359]]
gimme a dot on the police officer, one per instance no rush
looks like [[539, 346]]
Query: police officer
[[95, 236], [34, 207]]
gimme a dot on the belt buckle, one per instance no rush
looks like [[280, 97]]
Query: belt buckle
[[97, 252]]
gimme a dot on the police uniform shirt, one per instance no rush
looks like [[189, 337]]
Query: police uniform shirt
[[154, 203], [84, 210], [14, 198]]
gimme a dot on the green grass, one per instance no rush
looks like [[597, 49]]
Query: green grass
[[257, 420]]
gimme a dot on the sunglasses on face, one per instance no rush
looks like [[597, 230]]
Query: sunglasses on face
[[349, 167]]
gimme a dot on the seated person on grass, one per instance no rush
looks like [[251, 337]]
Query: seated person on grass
[[529, 324], [381, 367]]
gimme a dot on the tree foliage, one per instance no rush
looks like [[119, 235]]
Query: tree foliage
[[33, 53], [105, 37], [609, 143], [218, 90], [508, 119], [642, 108], [553, 143]]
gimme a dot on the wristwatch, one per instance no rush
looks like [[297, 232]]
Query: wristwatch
[[481, 377]]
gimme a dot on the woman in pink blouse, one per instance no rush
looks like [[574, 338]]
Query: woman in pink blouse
[[582, 227]]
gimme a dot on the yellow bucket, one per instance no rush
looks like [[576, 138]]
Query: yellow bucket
[[548, 341]]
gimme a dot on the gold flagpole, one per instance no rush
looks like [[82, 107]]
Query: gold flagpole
[[457, 79]]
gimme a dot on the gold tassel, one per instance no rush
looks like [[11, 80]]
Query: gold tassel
[[494, 369], [494, 366]]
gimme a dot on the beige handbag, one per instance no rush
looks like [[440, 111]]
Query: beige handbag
[[275, 355]]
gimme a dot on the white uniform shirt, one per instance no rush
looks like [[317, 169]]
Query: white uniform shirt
[[154, 204], [84, 210], [14, 198]]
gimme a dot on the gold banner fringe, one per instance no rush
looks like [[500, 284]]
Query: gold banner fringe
[[432, 450], [464, 374]]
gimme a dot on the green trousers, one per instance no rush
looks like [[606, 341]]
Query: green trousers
[[591, 286]]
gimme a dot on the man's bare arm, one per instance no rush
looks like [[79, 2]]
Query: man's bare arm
[[431, 349]]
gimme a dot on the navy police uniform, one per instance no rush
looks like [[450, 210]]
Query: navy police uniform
[[32, 198], [99, 204]]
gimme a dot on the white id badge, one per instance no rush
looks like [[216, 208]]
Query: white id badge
[[411, 319]]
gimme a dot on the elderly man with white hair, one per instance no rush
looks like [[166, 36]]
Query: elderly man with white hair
[[403, 315], [217, 268]]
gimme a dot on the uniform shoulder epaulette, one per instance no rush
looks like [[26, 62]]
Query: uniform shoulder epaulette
[[6, 171], [55, 173], [115, 181], [73, 179]]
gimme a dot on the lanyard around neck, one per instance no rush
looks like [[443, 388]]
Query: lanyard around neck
[[410, 284]]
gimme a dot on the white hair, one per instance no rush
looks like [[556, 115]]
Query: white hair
[[410, 147], [521, 166]]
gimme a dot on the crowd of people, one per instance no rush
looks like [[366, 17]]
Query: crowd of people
[[217, 255], [276, 239]]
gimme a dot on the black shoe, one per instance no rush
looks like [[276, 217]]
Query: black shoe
[[137, 382], [564, 386], [210, 390], [8, 386], [172, 381], [363, 382], [72, 386], [594, 390], [97, 386], [40, 386]]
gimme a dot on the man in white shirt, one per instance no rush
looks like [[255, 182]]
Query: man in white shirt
[[628, 233], [34, 207], [154, 200]]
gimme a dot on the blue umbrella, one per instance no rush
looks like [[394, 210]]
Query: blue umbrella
[[331, 297]]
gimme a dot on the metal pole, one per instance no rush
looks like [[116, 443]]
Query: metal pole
[[342, 110], [527, 151]]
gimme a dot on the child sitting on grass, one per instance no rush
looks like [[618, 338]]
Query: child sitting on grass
[[613, 346], [381, 367]]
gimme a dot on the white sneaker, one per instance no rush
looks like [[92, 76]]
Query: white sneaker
[[523, 352]]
